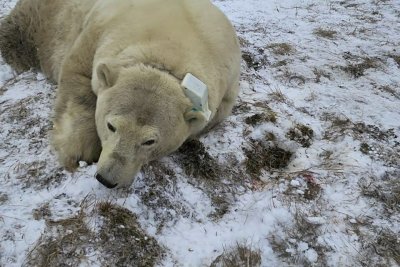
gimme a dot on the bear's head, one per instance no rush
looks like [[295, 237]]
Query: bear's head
[[141, 114]]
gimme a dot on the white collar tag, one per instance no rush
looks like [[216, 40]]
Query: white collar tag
[[197, 92]]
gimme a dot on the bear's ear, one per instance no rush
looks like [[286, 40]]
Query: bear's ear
[[196, 120], [105, 76]]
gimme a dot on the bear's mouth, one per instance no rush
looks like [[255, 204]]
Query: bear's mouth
[[105, 182]]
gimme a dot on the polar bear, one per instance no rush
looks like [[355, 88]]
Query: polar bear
[[119, 66]]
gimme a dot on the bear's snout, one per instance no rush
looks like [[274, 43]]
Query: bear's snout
[[104, 181]]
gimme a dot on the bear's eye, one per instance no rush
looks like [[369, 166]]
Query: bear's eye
[[111, 127], [149, 142]]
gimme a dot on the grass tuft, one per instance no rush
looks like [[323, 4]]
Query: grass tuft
[[281, 49], [262, 156], [239, 256], [122, 239], [386, 190], [357, 70], [197, 162], [259, 118], [325, 33], [302, 134]]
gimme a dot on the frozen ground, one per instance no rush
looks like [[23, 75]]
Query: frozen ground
[[306, 172]]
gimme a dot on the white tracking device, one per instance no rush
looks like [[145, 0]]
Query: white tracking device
[[197, 92]]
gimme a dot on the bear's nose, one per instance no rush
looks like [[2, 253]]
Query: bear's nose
[[105, 182]]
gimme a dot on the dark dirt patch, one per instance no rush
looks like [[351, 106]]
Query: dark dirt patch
[[325, 33], [365, 148], [3, 198], [259, 118], [261, 156], [240, 256], [357, 70], [281, 49], [301, 134], [123, 242], [313, 190]]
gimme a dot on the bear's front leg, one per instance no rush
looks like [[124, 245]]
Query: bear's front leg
[[74, 135]]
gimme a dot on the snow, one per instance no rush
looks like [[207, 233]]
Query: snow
[[343, 219], [311, 255]]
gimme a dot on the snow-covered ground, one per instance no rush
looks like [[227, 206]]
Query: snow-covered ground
[[306, 171]]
